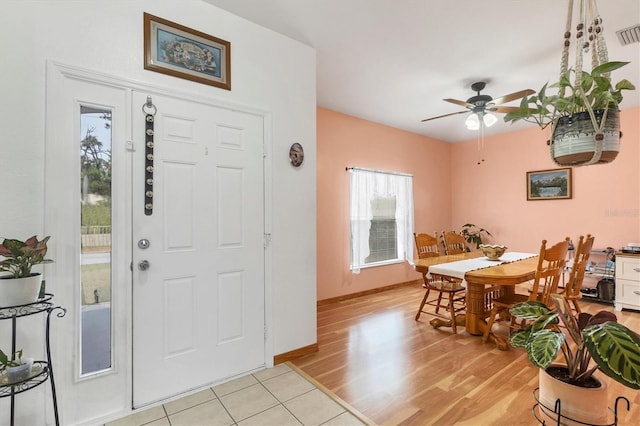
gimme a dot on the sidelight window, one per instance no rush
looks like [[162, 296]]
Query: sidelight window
[[95, 234]]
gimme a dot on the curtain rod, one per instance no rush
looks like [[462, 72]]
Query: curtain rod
[[361, 169]]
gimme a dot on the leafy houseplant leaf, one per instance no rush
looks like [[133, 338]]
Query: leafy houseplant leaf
[[531, 310], [607, 67], [616, 350], [519, 338], [543, 349]]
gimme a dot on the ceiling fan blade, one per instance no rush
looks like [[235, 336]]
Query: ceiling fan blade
[[461, 103], [513, 96], [446, 115], [503, 109]]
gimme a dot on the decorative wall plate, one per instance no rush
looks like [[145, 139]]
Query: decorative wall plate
[[296, 154]]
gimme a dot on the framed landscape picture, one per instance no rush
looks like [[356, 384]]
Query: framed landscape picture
[[176, 50], [549, 184]]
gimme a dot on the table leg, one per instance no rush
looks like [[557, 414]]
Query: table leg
[[478, 306], [441, 322], [475, 323]]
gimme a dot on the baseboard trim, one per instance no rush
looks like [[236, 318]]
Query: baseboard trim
[[296, 353], [366, 292]]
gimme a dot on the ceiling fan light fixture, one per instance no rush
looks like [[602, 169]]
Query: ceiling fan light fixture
[[472, 122], [489, 120]]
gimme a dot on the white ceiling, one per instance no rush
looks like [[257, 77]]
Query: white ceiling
[[393, 61]]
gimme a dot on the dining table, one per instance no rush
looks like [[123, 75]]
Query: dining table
[[484, 280]]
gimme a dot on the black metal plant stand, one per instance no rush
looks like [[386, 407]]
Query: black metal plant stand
[[557, 410], [41, 370]]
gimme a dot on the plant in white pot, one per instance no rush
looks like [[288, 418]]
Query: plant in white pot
[[16, 369], [21, 286], [579, 339]]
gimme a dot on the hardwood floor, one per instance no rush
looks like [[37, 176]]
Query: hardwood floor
[[398, 371]]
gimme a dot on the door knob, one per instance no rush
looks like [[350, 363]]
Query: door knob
[[143, 265]]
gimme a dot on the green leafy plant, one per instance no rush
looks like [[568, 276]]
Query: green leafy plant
[[21, 256], [5, 361], [594, 92], [473, 234], [614, 348]]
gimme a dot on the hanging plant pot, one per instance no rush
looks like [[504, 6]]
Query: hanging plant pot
[[19, 291], [578, 405], [574, 141]]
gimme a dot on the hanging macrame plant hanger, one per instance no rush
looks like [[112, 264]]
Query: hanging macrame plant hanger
[[593, 136]]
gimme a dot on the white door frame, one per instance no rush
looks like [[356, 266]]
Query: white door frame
[[62, 231]]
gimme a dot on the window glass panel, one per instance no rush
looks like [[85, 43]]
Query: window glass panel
[[381, 214], [95, 234]]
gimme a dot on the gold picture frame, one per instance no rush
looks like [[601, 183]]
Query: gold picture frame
[[555, 184], [179, 51]]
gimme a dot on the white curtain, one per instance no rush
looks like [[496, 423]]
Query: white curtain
[[364, 186]]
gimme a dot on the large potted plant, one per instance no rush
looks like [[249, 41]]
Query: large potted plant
[[21, 286], [583, 113], [473, 234], [579, 339]]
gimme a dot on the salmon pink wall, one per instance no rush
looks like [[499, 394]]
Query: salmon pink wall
[[346, 141], [605, 203]]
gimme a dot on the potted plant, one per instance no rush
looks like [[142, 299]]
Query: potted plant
[[21, 286], [581, 112], [579, 339], [473, 234], [16, 368]]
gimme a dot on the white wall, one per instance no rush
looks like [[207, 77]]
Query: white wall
[[269, 72]]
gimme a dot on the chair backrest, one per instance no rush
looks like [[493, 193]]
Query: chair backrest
[[454, 242], [580, 260], [427, 245], [551, 263]]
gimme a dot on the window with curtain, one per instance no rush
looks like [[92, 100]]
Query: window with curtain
[[381, 216]]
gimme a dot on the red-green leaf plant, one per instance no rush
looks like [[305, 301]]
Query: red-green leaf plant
[[582, 338], [21, 256]]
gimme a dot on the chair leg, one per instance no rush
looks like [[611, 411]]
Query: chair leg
[[577, 306], [492, 317], [452, 310], [439, 302], [424, 300]]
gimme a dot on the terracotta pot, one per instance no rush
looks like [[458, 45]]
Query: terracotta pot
[[573, 143], [585, 405], [19, 291]]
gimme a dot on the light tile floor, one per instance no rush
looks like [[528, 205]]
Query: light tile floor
[[276, 396]]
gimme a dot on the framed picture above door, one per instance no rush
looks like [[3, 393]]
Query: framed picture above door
[[179, 51]]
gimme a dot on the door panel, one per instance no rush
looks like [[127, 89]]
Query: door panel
[[198, 309]]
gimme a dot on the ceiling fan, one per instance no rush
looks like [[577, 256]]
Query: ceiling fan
[[481, 105]]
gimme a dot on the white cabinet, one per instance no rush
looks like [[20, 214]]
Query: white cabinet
[[627, 281]]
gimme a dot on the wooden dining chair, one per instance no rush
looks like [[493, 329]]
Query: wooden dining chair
[[454, 243], [427, 246], [551, 263], [572, 289]]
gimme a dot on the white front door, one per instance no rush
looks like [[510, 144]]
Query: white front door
[[198, 309]]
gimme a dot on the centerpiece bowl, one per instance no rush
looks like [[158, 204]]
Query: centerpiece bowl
[[493, 251]]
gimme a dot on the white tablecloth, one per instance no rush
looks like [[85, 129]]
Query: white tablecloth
[[458, 268]]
